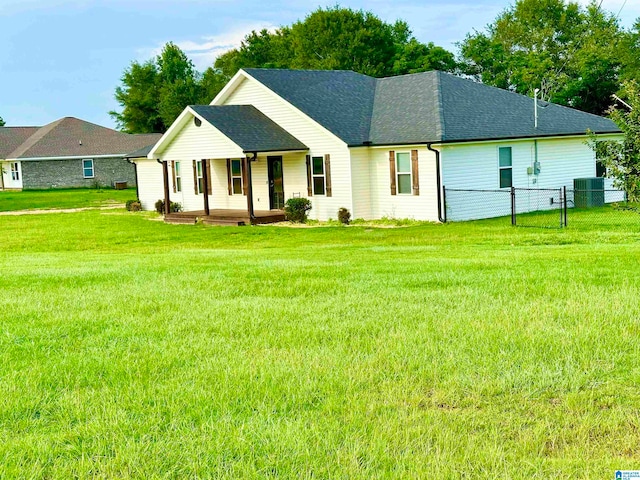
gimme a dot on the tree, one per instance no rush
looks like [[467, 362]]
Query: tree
[[2, 123], [178, 83], [342, 39], [630, 53], [138, 96], [568, 52], [154, 93], [622, 158], [211, 83]]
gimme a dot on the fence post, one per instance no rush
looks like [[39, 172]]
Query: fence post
[[564, 206], [444, 204], [513, 206]]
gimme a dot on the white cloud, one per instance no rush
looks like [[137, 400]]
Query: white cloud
[[629, 10], [205, 50]]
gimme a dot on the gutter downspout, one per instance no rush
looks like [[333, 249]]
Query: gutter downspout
[[135, 172], [438, 181]]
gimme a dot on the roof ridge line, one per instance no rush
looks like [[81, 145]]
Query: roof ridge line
[[373, 108], [441, 127], [34, 138]]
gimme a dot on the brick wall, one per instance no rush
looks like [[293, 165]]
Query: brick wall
[[69, 173]]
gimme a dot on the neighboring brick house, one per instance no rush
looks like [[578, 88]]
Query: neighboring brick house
[[67, 153]]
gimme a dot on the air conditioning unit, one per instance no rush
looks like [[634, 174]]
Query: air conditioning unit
[[588, 192]]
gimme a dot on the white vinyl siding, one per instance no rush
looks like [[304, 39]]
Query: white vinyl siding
[[418, 207], [193, 142], [473, 166], [318, 139], [150, 186], [361, 183]]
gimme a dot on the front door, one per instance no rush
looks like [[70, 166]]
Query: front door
[[276, 185], [12, 175]]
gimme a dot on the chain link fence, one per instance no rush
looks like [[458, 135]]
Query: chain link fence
[[538, 207], [606, 208], [542, 207], [462, 205]]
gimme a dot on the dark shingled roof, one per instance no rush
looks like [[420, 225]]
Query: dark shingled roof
[[406, 110], [141, 152], [419, 108], [339, 100], [473, 111], [72, 137], [249, 128]]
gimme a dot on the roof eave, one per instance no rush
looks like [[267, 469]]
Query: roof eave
[[173, 130], [229, 87], [275, 150], [532, 137]]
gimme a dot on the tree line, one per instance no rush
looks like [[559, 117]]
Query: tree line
[[577, 56], [154, 93]]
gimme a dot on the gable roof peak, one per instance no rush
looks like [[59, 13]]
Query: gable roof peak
[[71, 136]]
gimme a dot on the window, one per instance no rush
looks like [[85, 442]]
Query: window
[[199, 176], [505, 167], [177, 176], [601, 170], [403, 171], [318, 175], [236, 177], [15, 171], [87, 168]]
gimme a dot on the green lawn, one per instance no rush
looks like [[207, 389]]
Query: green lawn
[[63, 198], [134, 349]]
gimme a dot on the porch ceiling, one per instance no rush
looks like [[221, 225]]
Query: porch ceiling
[[249, 128]]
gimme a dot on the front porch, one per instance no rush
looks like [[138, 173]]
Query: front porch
[[226, 217], [221, 144]]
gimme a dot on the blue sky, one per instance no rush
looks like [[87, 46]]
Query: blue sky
[[65, 57]]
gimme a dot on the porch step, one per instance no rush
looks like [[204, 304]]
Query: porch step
[[269, 218], [225, 217], [180, 219], [236, 222]]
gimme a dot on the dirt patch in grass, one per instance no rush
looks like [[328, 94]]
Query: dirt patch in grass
[[62, 210]]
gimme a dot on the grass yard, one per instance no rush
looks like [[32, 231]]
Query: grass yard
[[63, 198], [134, 349]]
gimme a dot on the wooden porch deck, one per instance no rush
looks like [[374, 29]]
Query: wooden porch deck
[[225, 217]]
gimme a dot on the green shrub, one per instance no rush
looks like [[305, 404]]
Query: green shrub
[[128, 204], [135, 207], [296, 209], [173, 207], [344, 216]]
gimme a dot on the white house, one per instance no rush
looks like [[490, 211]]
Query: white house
[[378, 147]]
